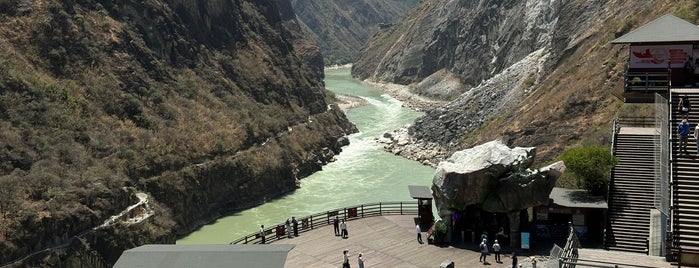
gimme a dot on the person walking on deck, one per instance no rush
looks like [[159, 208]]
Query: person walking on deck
[[360, 260], [345, 259], [683, 132], [496, 250], [484, 251], [343, 229], [419, 233]]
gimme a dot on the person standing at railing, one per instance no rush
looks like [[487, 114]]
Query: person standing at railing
[[295, 224], [683, 132], [287, 225], [336, 225], [262, 233]]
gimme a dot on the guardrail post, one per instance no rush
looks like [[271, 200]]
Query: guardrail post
[[362, 210]]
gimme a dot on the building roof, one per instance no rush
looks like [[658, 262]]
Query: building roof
[[420, 192], [667, 28], [176, 256], [576, 198]]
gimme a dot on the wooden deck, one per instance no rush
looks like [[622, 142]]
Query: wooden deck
[[390, 241]]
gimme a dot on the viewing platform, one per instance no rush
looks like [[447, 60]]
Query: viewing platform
[[391, 241]]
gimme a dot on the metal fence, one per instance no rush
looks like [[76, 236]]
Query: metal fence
[[662, 155], [311, 222]]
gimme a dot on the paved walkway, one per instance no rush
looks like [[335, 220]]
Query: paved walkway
[[390, 241]]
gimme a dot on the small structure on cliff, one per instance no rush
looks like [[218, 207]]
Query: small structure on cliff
[[486, 188]]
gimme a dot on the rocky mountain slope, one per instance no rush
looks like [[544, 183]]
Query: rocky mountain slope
[[342, 27], [198, 107], [534, 72]]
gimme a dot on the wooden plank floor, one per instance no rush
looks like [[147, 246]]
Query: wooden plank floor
[[385, 241], [633, 259], [390, 241]]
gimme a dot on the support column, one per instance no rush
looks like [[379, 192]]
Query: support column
[[514, 229]]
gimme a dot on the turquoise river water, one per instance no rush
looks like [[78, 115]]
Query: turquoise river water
[[362, 173]]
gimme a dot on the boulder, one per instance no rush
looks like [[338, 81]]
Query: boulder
[[493, 176]]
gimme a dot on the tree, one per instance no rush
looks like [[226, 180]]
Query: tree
[[590, 166]]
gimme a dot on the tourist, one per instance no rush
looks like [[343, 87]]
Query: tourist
[[288, 228], [533, 261], [336, 225], [484, 251], [295, 223], [683, 131], [684, 106], [484, 236], [360, 260], [262, 233], [514, 260], [345, 259], [419, 233], [696, 137], [343, 229], [496, 250]]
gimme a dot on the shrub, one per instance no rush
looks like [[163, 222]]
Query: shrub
[[440, 232], [590, 165]]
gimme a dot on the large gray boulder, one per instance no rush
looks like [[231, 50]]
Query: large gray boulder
[[493, 176]]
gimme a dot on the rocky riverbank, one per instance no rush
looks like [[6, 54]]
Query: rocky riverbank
[[400, 141]]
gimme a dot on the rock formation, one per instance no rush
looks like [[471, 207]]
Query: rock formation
[[494, 178]]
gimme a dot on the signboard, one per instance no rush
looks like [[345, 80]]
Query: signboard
[[525, 240], [659, 56]]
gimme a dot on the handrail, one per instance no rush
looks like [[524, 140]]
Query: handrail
[[645, 81], [278, 231], [569, 256], [635, 121], [692, 254]]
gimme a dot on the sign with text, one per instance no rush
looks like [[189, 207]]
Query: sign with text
[[525, 240], [659, 56]]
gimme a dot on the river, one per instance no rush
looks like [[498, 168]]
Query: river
[[362, 173]]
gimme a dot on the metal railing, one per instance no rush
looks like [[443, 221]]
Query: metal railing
[[635, 121], [646, 81], [569, 255], [278, 231]]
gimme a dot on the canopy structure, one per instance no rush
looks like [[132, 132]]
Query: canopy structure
[[176, 256], [575, 198], [666, 29], [420, 192]]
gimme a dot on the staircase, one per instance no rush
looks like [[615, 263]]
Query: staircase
[[685, 177], [631, 191]]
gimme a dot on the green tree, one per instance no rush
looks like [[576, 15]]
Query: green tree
[[590, 165]]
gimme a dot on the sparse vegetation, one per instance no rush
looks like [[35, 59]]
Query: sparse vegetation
[[90, 106], [590, 166]]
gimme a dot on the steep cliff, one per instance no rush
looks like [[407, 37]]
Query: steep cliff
[[343, 27], [203, 106], [536, 73]]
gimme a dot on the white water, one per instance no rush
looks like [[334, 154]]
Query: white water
[[362, 173]]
